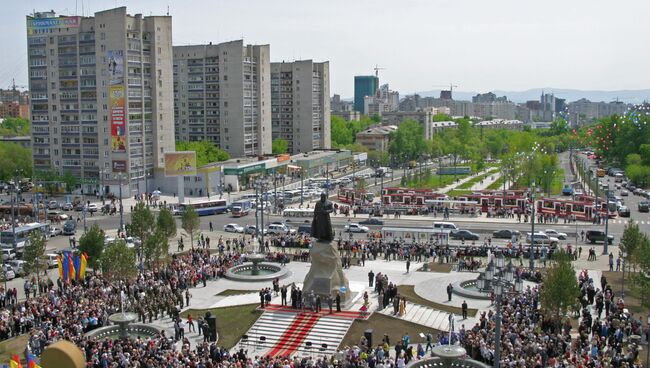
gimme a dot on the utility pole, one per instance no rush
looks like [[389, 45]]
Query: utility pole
[[121, 207], [302, 190], [606, 220], [532, 230]]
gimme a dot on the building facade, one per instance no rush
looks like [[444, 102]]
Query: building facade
[[376, 138], [300, 105], [364, 85], [101, 95], [222, 94]]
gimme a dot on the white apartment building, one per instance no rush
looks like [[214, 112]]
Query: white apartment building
[[300, 103], [101, 96], [222, 94]]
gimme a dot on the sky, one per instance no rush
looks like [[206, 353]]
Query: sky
[[477, 45]]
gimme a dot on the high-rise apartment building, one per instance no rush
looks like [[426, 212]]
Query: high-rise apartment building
[[101, 95], [364, 85], [222, 94], [301, 104]]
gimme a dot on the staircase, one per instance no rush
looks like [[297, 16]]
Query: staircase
[[429, 317], [284, 332]]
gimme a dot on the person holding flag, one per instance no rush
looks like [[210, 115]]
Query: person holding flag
[[15, 362]]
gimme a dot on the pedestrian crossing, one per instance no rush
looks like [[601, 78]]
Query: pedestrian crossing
[[626, 221]]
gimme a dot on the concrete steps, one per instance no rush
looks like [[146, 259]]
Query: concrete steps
[[429, 317]]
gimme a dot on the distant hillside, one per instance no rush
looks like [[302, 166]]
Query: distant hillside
[[628, 96]]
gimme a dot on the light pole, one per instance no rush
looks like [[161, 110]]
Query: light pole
[[532, 227], [499, 277], [261, 184], [606, 220], [119, 177], [302, 190]]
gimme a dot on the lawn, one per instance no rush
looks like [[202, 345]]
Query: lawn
[[409, 292], [232, 292], [438, 267], [232, 322], [382, 325], [458, 192], [434, 181], [13, 346], [468, 184]]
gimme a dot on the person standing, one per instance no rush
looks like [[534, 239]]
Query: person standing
[[283, 293], [449, 290], [211, 228], [371, 278], [338, 301], [330, 301], [408, 264], [464, 307], [395, 305]]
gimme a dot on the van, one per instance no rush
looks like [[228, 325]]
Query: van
[[278, 229], [594, 236], [618, 177], [51, 260], [69, 227], [450, 226]]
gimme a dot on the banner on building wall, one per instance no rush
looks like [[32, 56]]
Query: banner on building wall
[[118, 120], [37, 24], [119, 165], [116, 66], [180, 163]]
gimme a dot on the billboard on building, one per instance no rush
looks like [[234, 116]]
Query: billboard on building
[[118, 122], [116, 66], [119, 165], [39, 24], [180, 163]]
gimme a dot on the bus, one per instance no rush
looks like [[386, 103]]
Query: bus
[[22, 234], [454, 170], [241, 208], [206, 207], [20, 209]]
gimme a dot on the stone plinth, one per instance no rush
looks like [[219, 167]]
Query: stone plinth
[[325, 275]]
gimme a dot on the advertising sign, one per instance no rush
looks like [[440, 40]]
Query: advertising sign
[[116, 66], [244, 170], [35, 24], [180, 163], [118, 122], [119, 165]]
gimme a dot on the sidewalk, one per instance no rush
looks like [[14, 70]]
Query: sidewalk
[[453, 186]]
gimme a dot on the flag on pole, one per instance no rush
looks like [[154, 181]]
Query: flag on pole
[[71, 265], [15, 362], [59, 263], [31, 361], [65, 266], [77, 266], [82, 266]]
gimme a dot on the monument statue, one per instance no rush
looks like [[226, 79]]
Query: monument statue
[[325, 277]]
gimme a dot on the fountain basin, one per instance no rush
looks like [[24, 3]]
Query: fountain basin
[[266, 271], [469, 289], [133, 330]]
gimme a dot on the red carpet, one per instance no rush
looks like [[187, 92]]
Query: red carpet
[[293, 337], [323, 313]]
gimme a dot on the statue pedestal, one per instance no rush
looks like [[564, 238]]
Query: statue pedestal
[[325, 276]]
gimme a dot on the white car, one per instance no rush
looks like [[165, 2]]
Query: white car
[[18, 266], [543, 238], [55, 231], [557, 234], [92, 207], [356, 228], [67, 207], [8, 254], [233, 228], [7, 273], [279, 229]]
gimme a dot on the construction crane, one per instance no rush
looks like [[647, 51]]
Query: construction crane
[[450, 85], [377, 69], [13, 85]]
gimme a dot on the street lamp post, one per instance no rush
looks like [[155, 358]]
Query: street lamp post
[[532, 228], [261, 185], [119, 176], [302, 190], [499, 277], [606, 220]]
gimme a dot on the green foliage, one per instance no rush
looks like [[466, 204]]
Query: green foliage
[[631, 243], [33, 254], [376, 118], [344, 132], [206, 152], [560, 291], [14, 157], [70, 181], [156, 246], [637, 247], [191, 223], [378, 158], [441, 117], [92, 243], [142, 222], [166, 223], [15, 127], [119, 262], [559, 126], [279, 146], [407, 142]]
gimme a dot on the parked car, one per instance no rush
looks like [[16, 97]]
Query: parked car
[[554, 233], [464, 235], [69, 227], [233, 228], [356, 228], [55, 231], [505, 234], [623, 211], [18, 266], [624, 193], [67, 207], [51, 259], [79, 207], [7, 273], [644, 206], [52, 205], [92, 207], [279, 229], [8, 254], [543, 238], [372, 221], [304, 229], [594, 236], [251, 229]]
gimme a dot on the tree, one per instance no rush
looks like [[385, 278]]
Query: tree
[[92, 243], [166, 223], [206, 152], [631, 243], [559, 126], [156, 246], [641, 279], [70, 181], [33, 254], [341, 134], [560, 291], [191, 223], [142, 222], [119, 262], [14, 157], [15, 127], [407, 141], [279, 146], [376, 118]]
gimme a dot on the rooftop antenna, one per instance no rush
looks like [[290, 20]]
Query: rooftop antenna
[[167, 9], [377, 69]]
